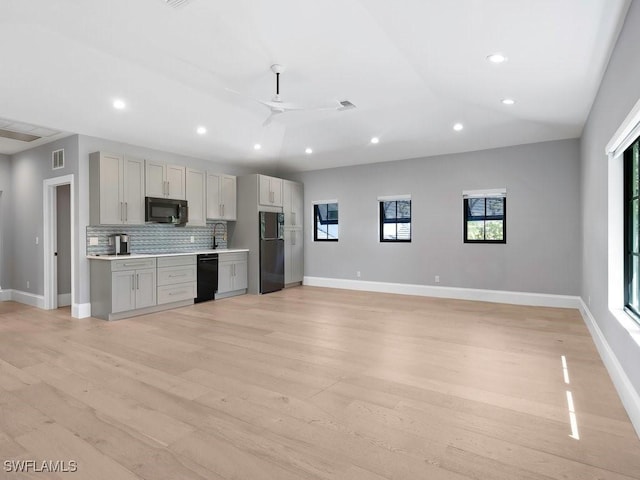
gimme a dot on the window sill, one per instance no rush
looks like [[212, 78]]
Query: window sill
[[628, 323]]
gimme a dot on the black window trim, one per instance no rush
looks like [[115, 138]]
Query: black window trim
[[399, 198], [502, 217], [326, 222]]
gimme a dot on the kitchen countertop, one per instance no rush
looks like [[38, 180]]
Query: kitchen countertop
[[153, 255]]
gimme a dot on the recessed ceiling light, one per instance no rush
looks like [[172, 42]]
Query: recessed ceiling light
[[497, 58], [119, 104], [257, 146], [308, 150], [201, 130], [375, 140], [458, 126], [508, 101]]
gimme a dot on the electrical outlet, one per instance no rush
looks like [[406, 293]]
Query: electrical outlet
[[589, 300], [28, 284], [358, 274], [224, 236], [37, 240], [193, 239], [437, 279], [93, 241]]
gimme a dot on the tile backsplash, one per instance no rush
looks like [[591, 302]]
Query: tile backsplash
[[157, 238]]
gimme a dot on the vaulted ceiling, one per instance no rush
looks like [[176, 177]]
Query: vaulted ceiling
[[413, 68]]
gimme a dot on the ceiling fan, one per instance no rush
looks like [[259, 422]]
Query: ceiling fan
[[277, 106]]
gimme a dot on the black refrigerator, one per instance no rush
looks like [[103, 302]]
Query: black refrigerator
[[271, 252]]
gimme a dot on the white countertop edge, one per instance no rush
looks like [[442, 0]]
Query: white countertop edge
[[176, 254]]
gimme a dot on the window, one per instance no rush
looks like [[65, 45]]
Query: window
[[631, 228], [395, 219], [485, 216], [325, 225]]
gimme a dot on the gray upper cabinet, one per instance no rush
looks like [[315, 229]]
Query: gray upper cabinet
[[270, 193], [292, 203], [196, 197], [165, 181], [116, 193], [221, 196]]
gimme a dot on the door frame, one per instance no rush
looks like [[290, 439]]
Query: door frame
[[49, 237]]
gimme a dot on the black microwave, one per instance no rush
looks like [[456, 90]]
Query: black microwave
[[166, 210]]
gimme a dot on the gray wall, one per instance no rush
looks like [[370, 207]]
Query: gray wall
[[543, 247], [619, 91], [29, 169], [5, 222], [63, 225]]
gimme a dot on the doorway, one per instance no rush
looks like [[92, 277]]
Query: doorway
[[58, 242]]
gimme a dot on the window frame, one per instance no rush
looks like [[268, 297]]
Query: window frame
[[485, 194], [381, 222], [327, 222], [628, 254]]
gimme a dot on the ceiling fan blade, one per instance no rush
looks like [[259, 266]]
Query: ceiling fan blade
[[269, 119]]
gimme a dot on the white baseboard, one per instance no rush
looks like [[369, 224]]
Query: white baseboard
[[64, 299], [628, 395], [27, 298], [496, 296], [5, 295], [81, 310]]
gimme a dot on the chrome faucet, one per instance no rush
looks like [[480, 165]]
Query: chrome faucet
[[215, 244]]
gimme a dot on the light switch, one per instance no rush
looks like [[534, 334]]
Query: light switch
[[93, 241]]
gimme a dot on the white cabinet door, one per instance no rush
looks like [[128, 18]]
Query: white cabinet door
[[164, 181], [123, 293], [145, 288], [228, 195], [240, 278], [133, 191], [293, 256], [214, 206], [175, 176], [270, 191], [196, 197], [155, 179], [221, 196], [109, 177], [225, 277], [292, 203]]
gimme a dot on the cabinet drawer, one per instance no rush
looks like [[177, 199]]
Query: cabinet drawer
[[176, 293], [177, 260], [132, 264], [232, 257], [176, 275]]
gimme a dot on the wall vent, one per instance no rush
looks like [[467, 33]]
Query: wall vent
[[57, 159], [176, 3]]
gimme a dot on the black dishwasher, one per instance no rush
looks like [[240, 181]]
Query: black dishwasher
[[207, 277]]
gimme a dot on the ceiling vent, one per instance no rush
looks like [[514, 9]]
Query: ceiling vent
[[346, 105], [176, 3], [24, 132]]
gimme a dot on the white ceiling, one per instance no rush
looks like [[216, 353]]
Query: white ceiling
[[413, 68]]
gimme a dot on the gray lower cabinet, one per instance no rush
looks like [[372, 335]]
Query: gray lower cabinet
[[232, 274], [122, 286], [177, 279], [132, 286]]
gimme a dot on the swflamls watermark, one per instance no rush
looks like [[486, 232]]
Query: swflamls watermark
[[40, 466]]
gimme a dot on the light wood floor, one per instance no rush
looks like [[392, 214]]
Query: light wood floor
[[311, 383]]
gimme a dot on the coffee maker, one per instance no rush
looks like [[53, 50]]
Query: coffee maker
[[120, 242]]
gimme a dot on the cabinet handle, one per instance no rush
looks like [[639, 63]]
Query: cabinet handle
[[178, 292], [133, 282], [233, 269], [180, 275], [293, 238], [293, 217], [137, 281], [121, 210], [135, 264], [126, 211], [168, 188], [223, 210]]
